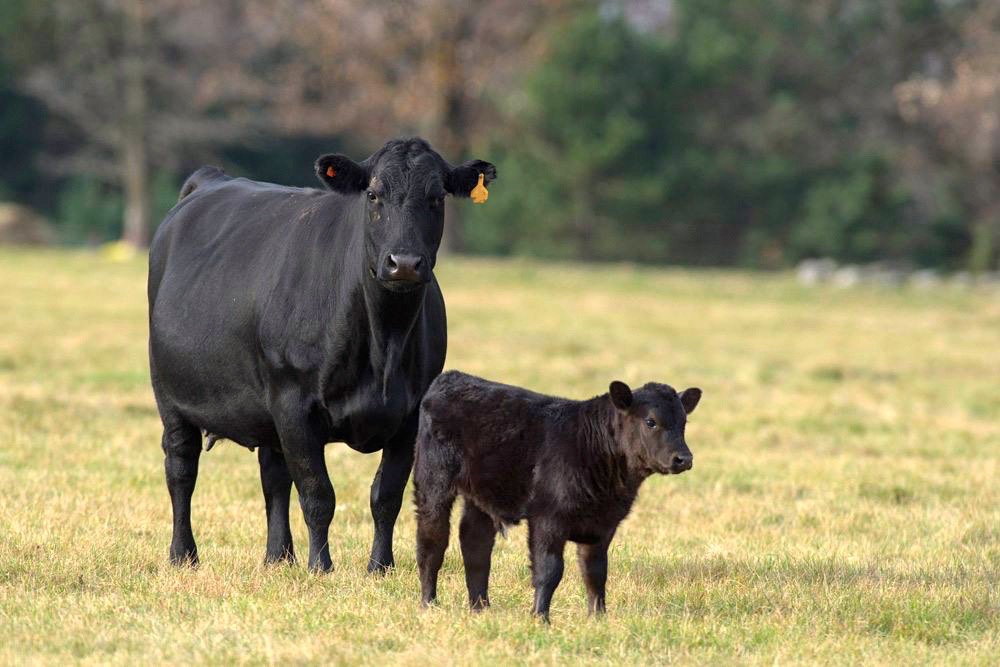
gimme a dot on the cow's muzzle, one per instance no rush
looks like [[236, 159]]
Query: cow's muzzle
[[404, 270]]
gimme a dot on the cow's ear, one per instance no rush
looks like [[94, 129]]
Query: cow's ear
[[341, 174], [621, 395], [690, 398], [463, 178]]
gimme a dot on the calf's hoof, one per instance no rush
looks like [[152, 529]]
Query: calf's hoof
[[479, 604], [543, 616]]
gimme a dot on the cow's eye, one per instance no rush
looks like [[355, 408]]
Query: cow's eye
[[372, 197], [650, 422], [436, 202]]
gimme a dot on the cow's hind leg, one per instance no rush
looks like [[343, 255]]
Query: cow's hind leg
[[276, 482], [387, 497], [181, 449], [477, 533]]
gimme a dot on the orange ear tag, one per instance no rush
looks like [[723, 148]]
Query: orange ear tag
[[331, 172], [479, 193]]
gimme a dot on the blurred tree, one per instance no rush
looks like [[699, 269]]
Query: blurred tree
[[755, 132], [960, 107], [432, 67], [157, 81], [689, 131], [20, 139], [585, 157], [145, 83]]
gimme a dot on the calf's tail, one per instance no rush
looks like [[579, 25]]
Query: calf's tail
[[435, 466]]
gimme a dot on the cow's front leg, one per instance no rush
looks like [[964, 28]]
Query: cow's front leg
[[387, 497], [276, 482], [303, 449]]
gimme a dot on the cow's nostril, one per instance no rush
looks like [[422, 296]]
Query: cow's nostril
[[399, 266]]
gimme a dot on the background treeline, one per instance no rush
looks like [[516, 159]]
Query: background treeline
[[714, 132]]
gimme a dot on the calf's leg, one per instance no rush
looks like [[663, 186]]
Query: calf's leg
[[387, 498], [477, 534], [546, 546], [433, 525], [181, 449], [593, 560], [276, 482]]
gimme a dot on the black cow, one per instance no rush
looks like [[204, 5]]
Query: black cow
[[571, 468], [286, 318]]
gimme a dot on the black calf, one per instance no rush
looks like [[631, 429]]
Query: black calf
[[571, 468]]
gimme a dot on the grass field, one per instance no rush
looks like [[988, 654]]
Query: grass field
[[844, 506]]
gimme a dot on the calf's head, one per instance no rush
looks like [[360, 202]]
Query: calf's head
[[653, 420], [402, 187]]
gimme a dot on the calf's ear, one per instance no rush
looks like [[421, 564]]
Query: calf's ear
[[463, 178], [341, 174], [690, 398], [621, 395]]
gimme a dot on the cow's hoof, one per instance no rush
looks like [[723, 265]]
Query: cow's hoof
[[375, 567], [184, 558], [321, 567], [283, 557]]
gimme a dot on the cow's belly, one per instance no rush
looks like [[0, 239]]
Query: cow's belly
[[366, 418], [211, 383]]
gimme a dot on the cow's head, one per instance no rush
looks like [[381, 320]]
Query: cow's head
[[402, 186], [653, 421]]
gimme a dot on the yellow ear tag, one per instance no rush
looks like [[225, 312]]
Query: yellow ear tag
[[479, 193]]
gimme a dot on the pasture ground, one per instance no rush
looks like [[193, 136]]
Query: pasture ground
[[844, 506]]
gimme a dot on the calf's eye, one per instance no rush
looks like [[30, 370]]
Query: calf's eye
[[650, 422], [372, 197]]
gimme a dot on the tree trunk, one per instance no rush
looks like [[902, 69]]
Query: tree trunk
[[453, 115], [134, 160]]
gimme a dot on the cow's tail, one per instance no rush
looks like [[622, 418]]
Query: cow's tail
[[201, 176]]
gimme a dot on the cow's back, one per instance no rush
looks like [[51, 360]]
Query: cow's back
[[214, 262]]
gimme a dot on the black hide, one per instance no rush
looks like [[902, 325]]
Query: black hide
[[287, 318], [571, 468]]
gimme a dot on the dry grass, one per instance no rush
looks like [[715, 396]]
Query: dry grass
[[844, 507]]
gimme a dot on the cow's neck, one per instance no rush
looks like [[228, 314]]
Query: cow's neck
[[391, 317], [384, 319]]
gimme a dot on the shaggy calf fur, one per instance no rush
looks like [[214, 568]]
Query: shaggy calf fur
[[571, 468]]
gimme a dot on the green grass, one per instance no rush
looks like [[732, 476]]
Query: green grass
[[844, 506]]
